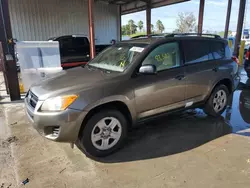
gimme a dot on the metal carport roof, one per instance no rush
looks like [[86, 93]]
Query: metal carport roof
[[130, 6]]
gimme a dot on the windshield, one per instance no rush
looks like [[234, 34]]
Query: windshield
[[117, 57]]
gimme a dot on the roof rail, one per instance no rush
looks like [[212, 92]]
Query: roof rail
[[193, 34], [138, 36], [151, 35]]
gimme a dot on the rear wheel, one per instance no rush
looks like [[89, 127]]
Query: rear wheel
[[217, 102], [104, 133]]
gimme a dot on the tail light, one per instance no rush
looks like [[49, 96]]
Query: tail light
[[236, 60], [247, 55]]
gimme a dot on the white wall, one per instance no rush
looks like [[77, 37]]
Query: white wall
[[41, 19]]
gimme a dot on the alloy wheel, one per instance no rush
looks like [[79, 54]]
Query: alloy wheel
[[106, 133], [220, 100]]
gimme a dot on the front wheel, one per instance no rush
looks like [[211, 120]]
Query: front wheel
[[104, 133], [217, 102]]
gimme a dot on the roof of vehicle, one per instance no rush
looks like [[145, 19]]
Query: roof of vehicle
[[62, 36], [152, 38], [141, 40]]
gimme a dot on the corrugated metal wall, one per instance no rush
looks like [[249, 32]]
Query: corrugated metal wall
[[41, 19]]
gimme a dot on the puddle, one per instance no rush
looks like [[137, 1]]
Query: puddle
[[238, 113]]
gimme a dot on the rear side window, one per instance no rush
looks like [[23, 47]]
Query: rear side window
[[196, 51], [218, 50], [228, 53]]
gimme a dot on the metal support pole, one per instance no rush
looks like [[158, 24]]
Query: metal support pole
[[201, 13], [119, 24], [8, 55], [3, 67], [91, 29], [239, 25], [229, 6], [148, 18]]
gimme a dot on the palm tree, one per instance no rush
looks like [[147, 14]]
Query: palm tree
[[131, 24], [160, 27], [140, 25], [152, 28]]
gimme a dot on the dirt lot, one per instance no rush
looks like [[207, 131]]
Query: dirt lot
[[186, 149]]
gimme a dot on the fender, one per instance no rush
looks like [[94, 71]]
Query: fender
[[116, 98]]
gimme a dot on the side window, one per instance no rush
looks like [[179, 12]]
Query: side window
[[66, 42], [196, 51], [79, 42], [218, 50], [164, 57]]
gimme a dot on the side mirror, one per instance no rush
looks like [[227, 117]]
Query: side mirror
[[148, 69]]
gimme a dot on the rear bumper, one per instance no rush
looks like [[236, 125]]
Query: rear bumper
[[57, 126]]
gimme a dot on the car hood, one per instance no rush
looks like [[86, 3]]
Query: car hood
[[73, 81]]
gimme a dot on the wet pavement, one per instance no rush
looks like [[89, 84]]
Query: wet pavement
[[187, 149]]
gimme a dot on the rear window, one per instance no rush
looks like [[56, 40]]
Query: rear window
[[196, 51]]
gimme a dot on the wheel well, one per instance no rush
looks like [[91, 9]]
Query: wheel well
[[227, 82], [117, 105]]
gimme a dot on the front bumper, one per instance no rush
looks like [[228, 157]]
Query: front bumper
[[61, 126]]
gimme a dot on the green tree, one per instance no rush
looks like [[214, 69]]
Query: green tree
[[125, 30], [140, 25], [176, 31], [186, 22], [152, 28], [196, 29], [221, 33], [132, 27], [160, 27]]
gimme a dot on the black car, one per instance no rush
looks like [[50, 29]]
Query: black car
[[75, 49]]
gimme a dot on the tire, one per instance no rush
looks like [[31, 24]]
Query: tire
[[94, 129], [211, 107]]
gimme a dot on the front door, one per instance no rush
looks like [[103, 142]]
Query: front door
[[155, 94]]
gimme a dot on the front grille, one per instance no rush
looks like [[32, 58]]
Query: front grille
[[32, 99]]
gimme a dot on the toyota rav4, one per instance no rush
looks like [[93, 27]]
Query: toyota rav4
[[131, 82]]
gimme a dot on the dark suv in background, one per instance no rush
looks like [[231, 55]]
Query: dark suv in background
[[131, 82], [75, 49]]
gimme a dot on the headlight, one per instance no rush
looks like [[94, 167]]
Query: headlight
[[58, 103]]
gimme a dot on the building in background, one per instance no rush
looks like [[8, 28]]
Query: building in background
[[41, 20]]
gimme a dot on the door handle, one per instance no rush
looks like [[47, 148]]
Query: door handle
[[215, 69], [179, 77]]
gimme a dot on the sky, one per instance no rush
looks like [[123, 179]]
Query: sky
[[214, 15]]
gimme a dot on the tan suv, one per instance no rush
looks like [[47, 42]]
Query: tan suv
[[131, 82]]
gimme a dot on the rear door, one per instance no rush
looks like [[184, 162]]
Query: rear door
[[201, 69], [164, 91]]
